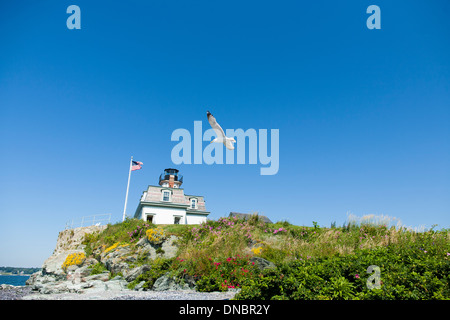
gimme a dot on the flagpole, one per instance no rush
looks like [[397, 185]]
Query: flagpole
[[128, 187]]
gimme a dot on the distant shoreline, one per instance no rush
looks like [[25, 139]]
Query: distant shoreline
[[18, 271]]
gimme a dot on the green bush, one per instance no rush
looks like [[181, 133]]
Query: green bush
[[159, 267], [226, 273], [98, 268], [408, 271], [128, 231]]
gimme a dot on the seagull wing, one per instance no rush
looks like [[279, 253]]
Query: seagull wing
[[217, 128], [229, 145]]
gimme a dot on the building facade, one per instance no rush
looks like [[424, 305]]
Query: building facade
[[168, 204]]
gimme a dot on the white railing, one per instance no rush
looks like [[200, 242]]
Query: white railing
[[86, 221]]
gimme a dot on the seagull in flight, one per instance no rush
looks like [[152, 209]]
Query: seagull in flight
[[221, 138]]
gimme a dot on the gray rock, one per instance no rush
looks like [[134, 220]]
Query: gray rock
[[189, 280], [42, 279], [166, 282], [117, 267], [40, 282], [46, 290], [104, 276], [90, 262], [53, 265], [32, 279], [6, 286], [142, 242], [72, 239], [94, 285], [71, 268], [139, 286], [163, 283], [131, 275], [116, 284], [90, 286], [55, 287], [99, 286], [82, 272], [263, 264], [168, 247], [114, 260], [14, 292], [130, 259], [76, 275]]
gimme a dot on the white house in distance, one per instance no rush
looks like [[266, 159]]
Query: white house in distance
[[167, 203]]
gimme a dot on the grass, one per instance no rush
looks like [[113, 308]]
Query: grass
[[217, 254]]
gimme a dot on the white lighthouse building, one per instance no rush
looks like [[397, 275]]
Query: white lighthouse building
[[167, 203]]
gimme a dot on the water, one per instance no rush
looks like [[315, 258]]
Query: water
[[14, 280]]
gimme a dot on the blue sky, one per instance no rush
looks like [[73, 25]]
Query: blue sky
[[363, 115]]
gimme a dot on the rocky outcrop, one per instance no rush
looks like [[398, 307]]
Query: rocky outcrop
[[167, 249], [118, 261], [131, 275], [114, 260], [166, 282], [71, 239], [68, 242]]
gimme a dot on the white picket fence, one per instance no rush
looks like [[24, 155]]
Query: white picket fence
[[85, 221]]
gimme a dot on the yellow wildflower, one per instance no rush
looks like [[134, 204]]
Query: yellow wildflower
[[73, 259], [257, 250], [114, 246], [156, 235]]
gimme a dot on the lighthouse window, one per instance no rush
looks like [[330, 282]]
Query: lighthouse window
[[193, 203], [166, 196]]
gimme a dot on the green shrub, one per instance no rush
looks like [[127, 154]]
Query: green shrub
[[219, 274], [408, 271], [128, 231], [98, 268], [159, 267]]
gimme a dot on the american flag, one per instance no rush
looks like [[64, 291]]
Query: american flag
[[136, 165]]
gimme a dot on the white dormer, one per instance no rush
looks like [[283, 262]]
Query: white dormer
[[166, 195], [193, 203]]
